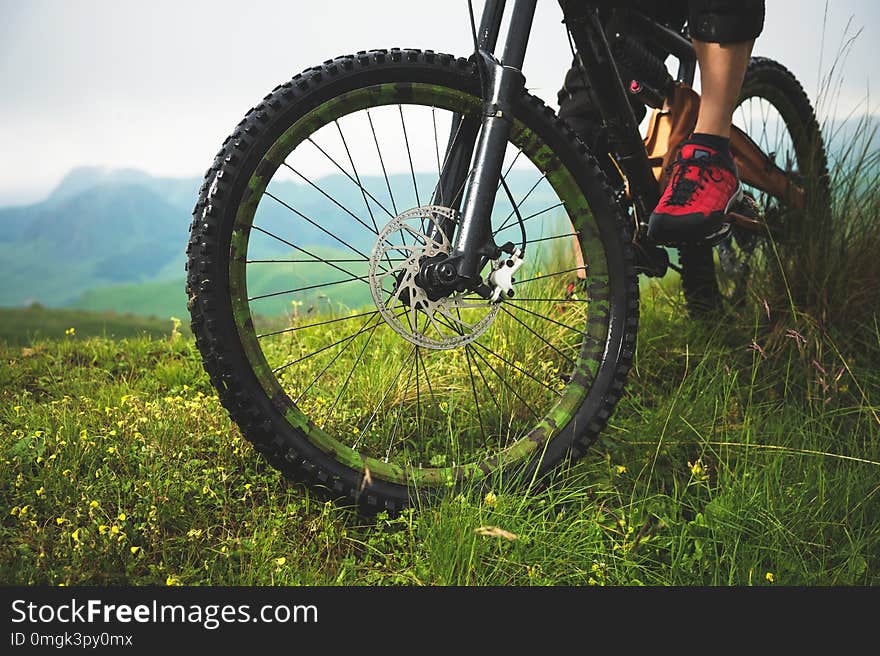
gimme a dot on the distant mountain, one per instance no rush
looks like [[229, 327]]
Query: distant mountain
[[53, 251], [179, 192]]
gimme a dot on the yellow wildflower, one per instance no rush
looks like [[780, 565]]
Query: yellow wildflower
[[769, 576]]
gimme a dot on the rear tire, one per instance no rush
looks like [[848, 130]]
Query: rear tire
[[723, 277]]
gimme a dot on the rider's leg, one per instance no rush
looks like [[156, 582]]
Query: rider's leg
[[722, 68], [704, 183]]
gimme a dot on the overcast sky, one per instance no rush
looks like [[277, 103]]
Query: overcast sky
[[157, 85]]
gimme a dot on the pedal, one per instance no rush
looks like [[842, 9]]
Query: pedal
[[747, 215]]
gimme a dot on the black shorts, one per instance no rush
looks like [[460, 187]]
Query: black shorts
[[717, 21], [725, 21]]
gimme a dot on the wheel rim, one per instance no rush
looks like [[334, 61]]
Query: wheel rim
[[402, 411]]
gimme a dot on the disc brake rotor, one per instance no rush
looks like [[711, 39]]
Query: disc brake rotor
[[402, 244]]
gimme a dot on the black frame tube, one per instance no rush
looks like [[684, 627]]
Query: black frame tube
[[518, 33], [490, 24], [670, 40], [612, 101]]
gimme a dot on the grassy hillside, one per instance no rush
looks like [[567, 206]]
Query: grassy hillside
[[724, 464], [22, 326], [150, 299]]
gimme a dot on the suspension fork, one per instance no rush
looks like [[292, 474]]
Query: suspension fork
[[503, 83]]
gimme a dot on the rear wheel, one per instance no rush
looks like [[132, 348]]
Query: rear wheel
[[775, 112], [303, 262]]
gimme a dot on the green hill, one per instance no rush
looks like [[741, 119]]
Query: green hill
[[23, 326]]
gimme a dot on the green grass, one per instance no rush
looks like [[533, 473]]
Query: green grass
[[720, 466]]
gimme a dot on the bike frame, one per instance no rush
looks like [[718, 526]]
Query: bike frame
[[486, 140]]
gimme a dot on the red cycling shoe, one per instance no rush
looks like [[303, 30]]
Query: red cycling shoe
[[703, 187]]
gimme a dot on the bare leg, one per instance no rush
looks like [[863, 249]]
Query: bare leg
[[722, 69]]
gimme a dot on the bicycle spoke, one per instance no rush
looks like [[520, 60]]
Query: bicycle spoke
[[510, 364], [531, 216], [540, 316], [347, 175], [315, 325], [437, 190], [476, 400], [507, 362], [331, 199], [351, 371], [510, 166], [570, 234], [382, 162], [548, 300], [527, 327], [400, 410], [304, 251], [363, 431], [331, 261], [519, 204], [507, 385], [319, 227], [365, 279], [427, 377], [418, 407], [320, 350], [409, 156], [335, 358], [549, 275], [356, 176]]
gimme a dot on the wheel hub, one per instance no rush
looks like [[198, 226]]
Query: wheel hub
[[423, 314]]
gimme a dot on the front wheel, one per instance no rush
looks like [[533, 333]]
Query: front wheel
[[306, 305]]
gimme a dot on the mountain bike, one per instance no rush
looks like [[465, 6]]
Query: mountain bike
[[407, 274]]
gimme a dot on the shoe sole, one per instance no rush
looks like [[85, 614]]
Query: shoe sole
[[693, 229]]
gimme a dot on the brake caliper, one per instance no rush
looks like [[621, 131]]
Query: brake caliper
[[501, 279]]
